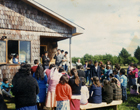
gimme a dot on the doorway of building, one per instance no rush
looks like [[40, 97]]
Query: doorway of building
[[43, 48]]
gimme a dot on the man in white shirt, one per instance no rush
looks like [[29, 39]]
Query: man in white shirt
[[78, 63]]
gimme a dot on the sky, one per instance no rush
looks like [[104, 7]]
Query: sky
[[110, 25]]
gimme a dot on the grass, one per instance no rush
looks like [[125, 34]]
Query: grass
[[130, 104]]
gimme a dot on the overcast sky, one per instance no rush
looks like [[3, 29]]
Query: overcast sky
[[109, 25]]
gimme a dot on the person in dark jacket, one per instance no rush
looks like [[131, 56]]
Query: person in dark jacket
[[81, 73], [95, 92], [75, 83], [2, 103], [25, 88], [96, 71], [46, 60], [107, 92]]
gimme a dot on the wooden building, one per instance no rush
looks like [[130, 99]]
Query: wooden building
[[28, 29]]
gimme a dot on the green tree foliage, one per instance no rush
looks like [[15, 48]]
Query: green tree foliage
[[124, 54], [137, 53], [133, 60]]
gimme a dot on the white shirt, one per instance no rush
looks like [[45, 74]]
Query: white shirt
[[84, 95]]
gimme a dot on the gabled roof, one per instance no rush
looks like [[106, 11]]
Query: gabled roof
[[76, 29]]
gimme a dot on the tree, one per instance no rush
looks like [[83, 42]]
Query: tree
[[124, 54], [133, 60], [137, 53]]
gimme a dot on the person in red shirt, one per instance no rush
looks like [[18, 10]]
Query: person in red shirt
[[33, 69], [63, 94]]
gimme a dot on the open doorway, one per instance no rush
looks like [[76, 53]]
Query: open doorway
[[43, 48]]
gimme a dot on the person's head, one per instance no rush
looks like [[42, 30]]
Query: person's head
[[39, 74], [5, 80], [16, 56], [36, 62], [134, 65], [42, 55], [106, 82], [46, 53], [117, 67], [61, 69], [80, 67], [51, 66], [131, 64], [86, 62], [108, 63], [111, 76], [115, 71], [122, 72], [103, 67], [96, 63], [58, 51], [113, 80], [64, 79], [96, 81], [66, 53], [83, 81], [79, 60], [100, 63], [108, 67], [25, 70], [75, 74], [10, 57], [90, 62], [62, 51]]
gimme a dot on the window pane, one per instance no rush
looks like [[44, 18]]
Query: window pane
[[2, 51], [25, 51]]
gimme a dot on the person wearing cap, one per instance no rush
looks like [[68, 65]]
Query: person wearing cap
[[46, 61], [58, 58]]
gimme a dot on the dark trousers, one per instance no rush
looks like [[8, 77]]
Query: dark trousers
[[124, 93]]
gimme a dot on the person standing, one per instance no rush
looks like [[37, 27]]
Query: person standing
[[46, 61], [75, 83], [41, 78], [25, 88], [63, 94], [33, 69], [65, 62], [123, 85], [53, 80], [80, 71], [86, 70], [96, 70], [78, 63], [109, 71], [89, 71], [58, 58]]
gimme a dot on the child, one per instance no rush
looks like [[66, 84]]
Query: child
[[116, 75], [63, 94], [111, 76], [95, 91], [6, 87], [84, 92], [123, 84], [107, 92], [133, 90]]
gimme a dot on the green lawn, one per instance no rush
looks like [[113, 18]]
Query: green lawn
[[130, 104]]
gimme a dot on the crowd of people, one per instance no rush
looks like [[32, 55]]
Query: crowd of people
[[51, 85]]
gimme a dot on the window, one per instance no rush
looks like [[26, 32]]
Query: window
[[22, 48], [25, 51], [2, 51]]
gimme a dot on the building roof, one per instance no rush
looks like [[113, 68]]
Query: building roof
[[76, 29]]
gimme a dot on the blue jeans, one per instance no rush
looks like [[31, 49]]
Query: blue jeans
[[65, 67], [124, 93]]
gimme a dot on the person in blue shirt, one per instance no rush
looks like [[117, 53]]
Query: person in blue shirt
[[109, 71], [115, 72], [6, 87], [15, 59], [41, 78], [95, 92], [123, 85]]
